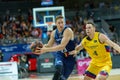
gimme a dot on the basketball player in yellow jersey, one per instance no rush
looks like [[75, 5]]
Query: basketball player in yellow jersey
[[97, 46]]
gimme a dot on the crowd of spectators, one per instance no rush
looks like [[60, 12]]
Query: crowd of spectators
[[19, 28], [16, 28]]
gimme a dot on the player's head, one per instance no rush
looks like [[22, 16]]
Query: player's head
[[90, 28], [59, 22], [59, 17]]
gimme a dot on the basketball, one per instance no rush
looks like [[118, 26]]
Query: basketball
[[36, 44]]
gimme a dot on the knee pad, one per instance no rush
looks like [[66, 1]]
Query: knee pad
[[58, 71]]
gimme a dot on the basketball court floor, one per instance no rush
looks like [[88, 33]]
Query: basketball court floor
[[114, 75]]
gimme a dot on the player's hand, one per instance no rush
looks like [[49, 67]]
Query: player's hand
[[37, 50], [35, 45], [74, 53], [31, 45], [40, 50]]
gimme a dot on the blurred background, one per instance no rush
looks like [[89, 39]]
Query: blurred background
[[17, 30]]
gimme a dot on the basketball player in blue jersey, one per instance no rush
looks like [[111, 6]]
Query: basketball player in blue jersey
[[64, 38]]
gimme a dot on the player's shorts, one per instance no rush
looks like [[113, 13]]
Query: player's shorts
[[93, 70]]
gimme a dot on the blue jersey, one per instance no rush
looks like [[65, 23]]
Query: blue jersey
[[58, 37], [62, 57]]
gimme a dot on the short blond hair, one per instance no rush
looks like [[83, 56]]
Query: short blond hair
[[58, 17]]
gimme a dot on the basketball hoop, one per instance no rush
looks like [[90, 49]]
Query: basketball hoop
[[49, 23], [49, 26]]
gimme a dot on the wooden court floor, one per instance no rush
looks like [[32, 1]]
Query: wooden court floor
[[114, 75], [72, 77], [111, 77]]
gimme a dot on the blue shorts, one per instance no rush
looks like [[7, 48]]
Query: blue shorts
[[67, 63]]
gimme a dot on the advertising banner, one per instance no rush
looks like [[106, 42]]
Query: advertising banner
[[8, 71], [10, 50], [82, 65]]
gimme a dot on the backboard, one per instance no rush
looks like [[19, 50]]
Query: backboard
[[44, 15]]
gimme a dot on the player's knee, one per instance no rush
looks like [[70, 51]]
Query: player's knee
[[102, 77], [87, 78]]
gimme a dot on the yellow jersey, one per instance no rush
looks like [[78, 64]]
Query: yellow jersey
[[99, 52]]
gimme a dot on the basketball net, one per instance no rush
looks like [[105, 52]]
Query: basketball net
[[49, 26]]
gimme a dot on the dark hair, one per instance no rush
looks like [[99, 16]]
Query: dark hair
[[58, 17], [91, 22]]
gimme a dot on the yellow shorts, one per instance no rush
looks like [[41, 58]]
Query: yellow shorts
[[93, 70]]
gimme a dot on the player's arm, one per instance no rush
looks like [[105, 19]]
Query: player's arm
[[66, 37], [51, 40], [77, 49], [36, 43], [104, 39]]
